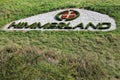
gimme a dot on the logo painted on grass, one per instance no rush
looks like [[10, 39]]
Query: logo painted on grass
[[67, 15], [66, 19]]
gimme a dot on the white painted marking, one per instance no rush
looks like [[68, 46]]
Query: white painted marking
[[85, 17]]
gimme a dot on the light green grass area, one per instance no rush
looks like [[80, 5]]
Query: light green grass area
[[58, 55]]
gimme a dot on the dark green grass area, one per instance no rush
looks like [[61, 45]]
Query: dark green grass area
[[59, 56], [52, 55]]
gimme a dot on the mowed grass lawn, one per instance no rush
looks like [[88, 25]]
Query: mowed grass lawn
[[58, 55]]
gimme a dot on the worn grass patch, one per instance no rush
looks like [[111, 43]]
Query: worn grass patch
[[32, 63], [60, 56]]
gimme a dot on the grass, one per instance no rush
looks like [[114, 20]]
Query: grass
[[58, 55], [18, 63]]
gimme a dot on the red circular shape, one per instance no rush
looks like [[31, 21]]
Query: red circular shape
[[68, 15]]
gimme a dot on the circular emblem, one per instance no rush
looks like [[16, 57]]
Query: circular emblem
[[67, 15]]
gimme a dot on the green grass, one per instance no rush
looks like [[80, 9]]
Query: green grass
[[58, 55]]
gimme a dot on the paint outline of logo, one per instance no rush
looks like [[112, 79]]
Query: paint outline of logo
[[67, 15]]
